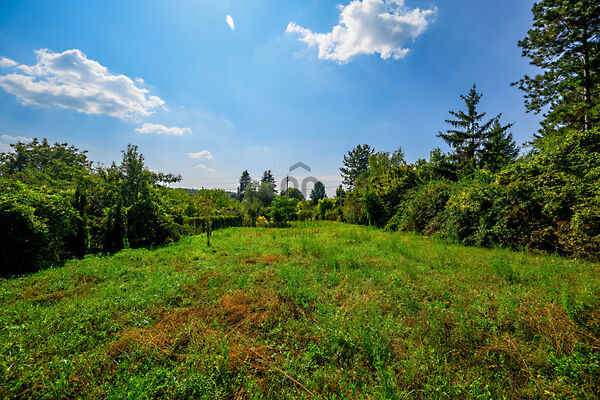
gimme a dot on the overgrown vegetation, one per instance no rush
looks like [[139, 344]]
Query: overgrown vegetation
[[132, 307], [319, 310], [55, 205], [481, 193]]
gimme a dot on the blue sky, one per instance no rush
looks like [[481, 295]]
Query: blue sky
[[207, 101]]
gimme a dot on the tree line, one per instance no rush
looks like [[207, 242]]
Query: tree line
[[482, 192], [55, 204]]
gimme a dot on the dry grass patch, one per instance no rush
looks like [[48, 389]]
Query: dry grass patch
[[237, 312], [266, 260], [552, 324]]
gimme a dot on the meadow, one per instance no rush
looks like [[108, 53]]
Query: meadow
[[317, 310]]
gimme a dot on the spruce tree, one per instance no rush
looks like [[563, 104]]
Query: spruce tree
[[268, 178], [565, 43], [499, 150], [469, 133], [245, 180], [317, 193]]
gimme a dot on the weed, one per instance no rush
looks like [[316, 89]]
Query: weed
[[317, 310]]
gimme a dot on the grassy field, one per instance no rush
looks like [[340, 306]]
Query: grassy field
[[321, 310]]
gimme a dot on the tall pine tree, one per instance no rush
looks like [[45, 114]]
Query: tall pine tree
[[245, 180], [317, 193], [470, 132], [565, 43], [268, 178], [499, 149]]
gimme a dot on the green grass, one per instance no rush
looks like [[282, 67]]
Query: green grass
[[320, 310]]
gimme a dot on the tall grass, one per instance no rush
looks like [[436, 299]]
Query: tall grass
[[318, 310]]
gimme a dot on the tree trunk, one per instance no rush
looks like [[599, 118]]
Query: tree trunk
[[587, 92], [208, 232]]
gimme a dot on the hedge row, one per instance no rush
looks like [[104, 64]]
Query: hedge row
[[197, 225]]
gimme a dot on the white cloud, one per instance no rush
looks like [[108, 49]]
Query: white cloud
[[71, 80], [368, 27], [163, 130], [6, 140], [14, 139], [7, 62], [230, 22], [201, 154], [204, 167]]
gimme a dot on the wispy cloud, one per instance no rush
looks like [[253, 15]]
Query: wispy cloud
[[163, 130], [71, 80], [368, 27], [204, 167], [7, 62], [230, 22], [201, 154], [6, 140], [258, 149]]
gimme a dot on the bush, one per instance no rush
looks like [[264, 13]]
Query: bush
[[262, 222], [392, 189], [304, 211], [38, 225], [333, 215], [149, 224], [353, 209], [324, 206], [374, 208], [469, 214], [283, 210], [553, 195], [421, 212], [548, 200], [115, 229]]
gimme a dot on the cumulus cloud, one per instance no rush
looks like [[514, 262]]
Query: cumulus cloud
[[368, 27], [201, 154], [71, 80], [230, 22], [204, 167], [6, 140], [7, 62], [163, 130]]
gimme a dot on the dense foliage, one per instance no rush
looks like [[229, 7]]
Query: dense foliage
[[55, 205], [548, 199], [565, 43]]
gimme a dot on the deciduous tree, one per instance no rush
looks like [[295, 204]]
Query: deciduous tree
[[355, 163]]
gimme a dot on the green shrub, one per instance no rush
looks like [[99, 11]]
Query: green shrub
[[353, 209], [469, 214], [114, 229], [421, 212], [333, 215], [148, 223], [304, 211], [324, 206], [38, 225], [283, 210], [374, 208]]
